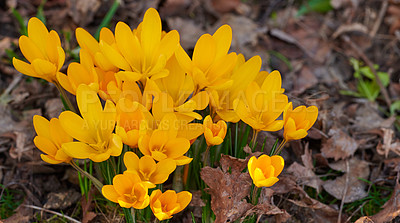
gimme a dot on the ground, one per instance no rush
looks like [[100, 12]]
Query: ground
[[342, 56]]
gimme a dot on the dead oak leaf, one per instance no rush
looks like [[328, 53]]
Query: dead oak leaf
[[348, 186], [228, 192], [388, 145], [305, 174], [339, 146]]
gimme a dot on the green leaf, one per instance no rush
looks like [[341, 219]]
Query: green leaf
[[321, 6], [395, 106], [384, 77]]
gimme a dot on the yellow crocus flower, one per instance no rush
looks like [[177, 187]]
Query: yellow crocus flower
[[214, 133], [141, 53], [176, 93], [298, 121], [244, 73], [211, 62], [90, 44], [147, 169], [50, 137], [259, 107], [166, 204], [94, 131], [128, 191], [80, 73], [43, 51], [164, 143], [132, 118], [265, 170]]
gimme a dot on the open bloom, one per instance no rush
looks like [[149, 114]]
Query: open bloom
[[298, 121], [214, 133], [244, 73], [128, 191], [210, 63], [43, 51], [265, 170], [166, 204], [147, 169], [50, 137], [164, 143], [261, 106], [80, 73], [132, 119], [141, 53], [94, 131]]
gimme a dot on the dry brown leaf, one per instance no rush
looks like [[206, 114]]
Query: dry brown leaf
[[189, 31], [54, 107], [320, 212], [388, 145], [265, 206], [228, 190], [367, 117], [305, 80], [339, 146], [82, 12], [391, 209], [349, 182], [62, 200], [224, 6]]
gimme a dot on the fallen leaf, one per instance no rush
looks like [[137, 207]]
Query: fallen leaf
[[224, 6], [61, 200], [319, 212], [388, 145], [174, 7], [82, 12], [265, 206], [304, 80], [228, 190], [367, 117], [339, 146], [189, 31], [349, 182], [391, 209], [53, 107]]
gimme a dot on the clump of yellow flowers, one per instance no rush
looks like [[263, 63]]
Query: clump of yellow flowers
[[142, 98]]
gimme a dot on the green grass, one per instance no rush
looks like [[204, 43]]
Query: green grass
[[9, 201]]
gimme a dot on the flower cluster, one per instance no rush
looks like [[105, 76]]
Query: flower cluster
[[154, 96]]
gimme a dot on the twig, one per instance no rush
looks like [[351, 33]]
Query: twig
[[51, 212], [344, 192], [378, 22], [371, 66]]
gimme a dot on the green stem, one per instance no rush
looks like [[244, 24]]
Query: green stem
[[254, 195], [254, 139], [95, 181], [280, 147], [106, 20], [206, 154], [64, 96], [129, 215]]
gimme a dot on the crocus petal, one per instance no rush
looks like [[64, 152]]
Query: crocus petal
[[78, 150], [110, 193]]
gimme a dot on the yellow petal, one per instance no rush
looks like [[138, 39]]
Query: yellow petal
[[183, 199], [128, 44], [45, 145], [169, 43], [110, 193], [85, 40], [114, 56], [115, 145], [65, 83], [89, 105], [204, 52], [45, 68], [76, 127], [183, 59], [29, 49], [37, 32], [41, 126], [78, 150], [278, 163], [183, 160], [147, 165], [24, 68], [131, 161], [151, 32], [223, 39], [50, 159]]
